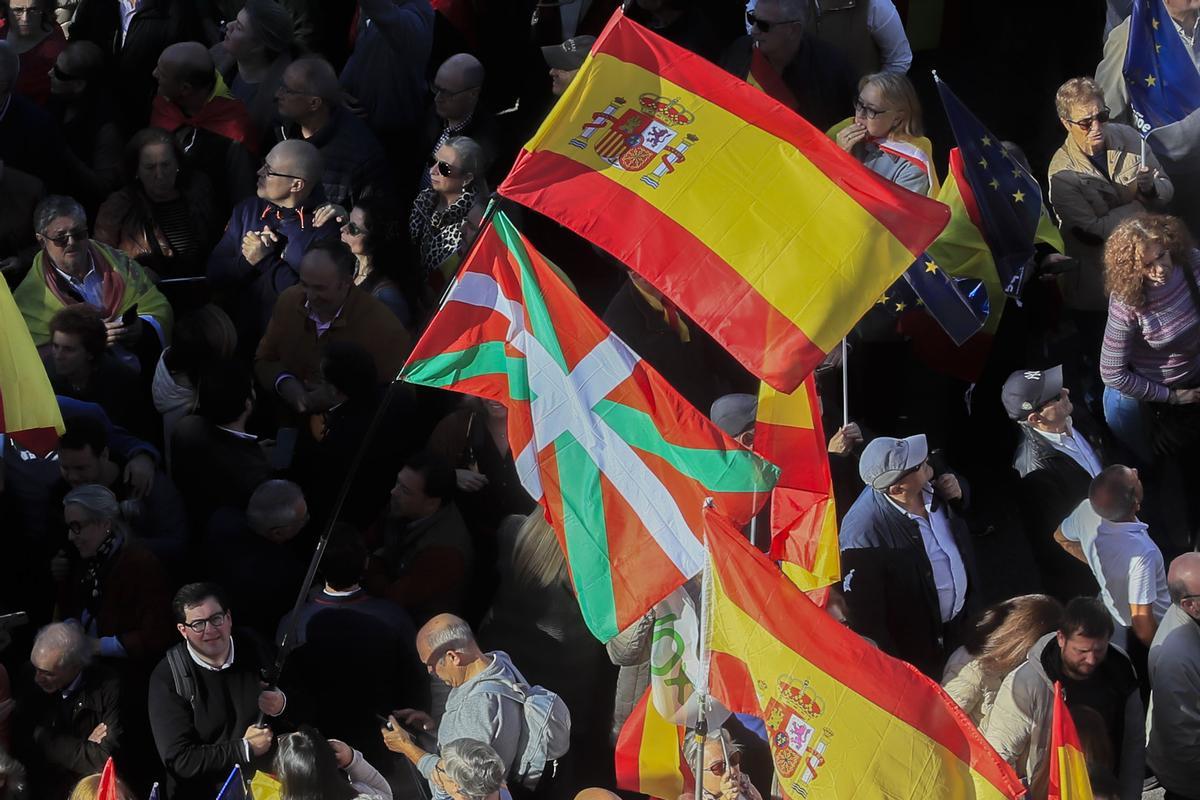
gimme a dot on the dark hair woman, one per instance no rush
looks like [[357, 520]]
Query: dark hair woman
[[310, 767], [385, 269]]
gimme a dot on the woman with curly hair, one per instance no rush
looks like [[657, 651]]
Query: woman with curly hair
[[1150, 359]]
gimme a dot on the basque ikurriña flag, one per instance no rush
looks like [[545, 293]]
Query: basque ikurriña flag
[[754, 223], [621, 463]]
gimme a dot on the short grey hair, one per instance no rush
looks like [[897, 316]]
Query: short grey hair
[[98, 501], [55, 206], [473, 161], [691, 748], [474, 766], [68, 639], [457, 635], [273, 505]]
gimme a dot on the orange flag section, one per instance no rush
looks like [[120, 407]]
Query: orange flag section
[[649, 754], [28, 410], [756, 225], [787, 432], [844, 720], [1068, 768]]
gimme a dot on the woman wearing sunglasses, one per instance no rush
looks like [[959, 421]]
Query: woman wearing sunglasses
[[1097, 180], [723, 776], [373, 233], [885, 132], [454, 200]]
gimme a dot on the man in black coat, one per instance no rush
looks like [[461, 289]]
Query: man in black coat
[[205, 697], [907, 558], [1056, 460], [70, 725]]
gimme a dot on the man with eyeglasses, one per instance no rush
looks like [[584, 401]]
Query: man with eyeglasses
[[1175, 685], [309, 104], [456, 112], [907, 559], [1097, 180], [782, 58], [1056, 459], [206, 696]]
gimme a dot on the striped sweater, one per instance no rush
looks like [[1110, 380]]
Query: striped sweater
[[1154, 348]]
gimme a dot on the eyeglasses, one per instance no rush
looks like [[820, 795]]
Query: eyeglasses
[[1087, 122], [32, 11], [59, 75], [441, 91], [444, 169], [764, 25], [285, 89], [353, 229], [77, 527], [266, 170], [870, 113], [64, 238], [719, 768], [216, 620]]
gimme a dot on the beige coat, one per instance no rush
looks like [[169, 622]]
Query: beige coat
[[968, 685], [1089, 206]]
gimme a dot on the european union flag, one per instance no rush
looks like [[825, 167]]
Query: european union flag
[[1163, 83], [235, 786], [959, 305], [1003, 199]]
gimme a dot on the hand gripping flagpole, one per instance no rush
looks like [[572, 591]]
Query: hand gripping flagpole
[[271, 676], [701, 734]]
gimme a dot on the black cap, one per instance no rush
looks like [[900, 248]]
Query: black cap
[[1025, 391]]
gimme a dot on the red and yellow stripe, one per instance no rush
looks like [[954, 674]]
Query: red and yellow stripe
[[649, 754], [765, 233], [885, 728], [28, 409], [1068, 768]]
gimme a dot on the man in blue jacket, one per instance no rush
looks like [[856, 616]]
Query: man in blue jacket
[[267, 235], [906, 554]]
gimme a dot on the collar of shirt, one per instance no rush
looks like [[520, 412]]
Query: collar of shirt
[[71, 279], [1058, 438], [239, 434], [321, 326], [338, 593], [202, 663], [927, 496], [72, 686], [1135, 528]]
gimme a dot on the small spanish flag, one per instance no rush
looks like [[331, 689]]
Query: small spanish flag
[[107, 788], [28, 409], [649, 754], [1068, 768], [804, 537], [755, 224]]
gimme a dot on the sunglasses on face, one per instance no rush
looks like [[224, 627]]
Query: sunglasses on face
[[59, 75], [64, 238], [441, 91], [1087, 122], [444, 169], [766, 26], [719, 768]]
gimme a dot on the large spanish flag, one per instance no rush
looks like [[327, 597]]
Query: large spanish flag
[[28, 410], [804, 537], [844, 719], [1068, 769], [761, 229]]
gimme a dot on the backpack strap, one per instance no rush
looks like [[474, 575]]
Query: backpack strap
[[181, 674]]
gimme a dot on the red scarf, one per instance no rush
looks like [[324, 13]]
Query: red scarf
[[224, 116], [112, 283]]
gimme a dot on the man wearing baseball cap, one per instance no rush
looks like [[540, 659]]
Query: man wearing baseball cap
[[1056, 463], [906, 554], [565, 60]]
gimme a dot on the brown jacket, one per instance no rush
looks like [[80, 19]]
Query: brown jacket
[[1090, 205], [291, 344]]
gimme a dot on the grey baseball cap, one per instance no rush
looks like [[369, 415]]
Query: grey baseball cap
[[570, 54], [1027, 390], [885, 459], [734, 413]]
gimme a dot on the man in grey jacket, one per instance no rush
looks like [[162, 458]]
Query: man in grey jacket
[[1175, 685], [1093, 673], [448, 648]]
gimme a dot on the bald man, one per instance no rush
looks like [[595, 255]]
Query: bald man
[[475, 708], [259, 255], [1175, 685], [309, 101], [456, 112]]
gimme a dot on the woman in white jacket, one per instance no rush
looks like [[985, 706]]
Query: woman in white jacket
[[310, 767]]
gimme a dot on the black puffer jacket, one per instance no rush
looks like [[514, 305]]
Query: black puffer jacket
[[352, 158]]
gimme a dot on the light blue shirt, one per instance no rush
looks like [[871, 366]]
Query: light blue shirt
[[949, 573]]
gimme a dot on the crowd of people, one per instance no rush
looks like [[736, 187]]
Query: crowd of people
[[225, 223]]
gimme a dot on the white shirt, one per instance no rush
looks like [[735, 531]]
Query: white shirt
[[1126, 562], [949, 574], [1074, 446], [128, 9]]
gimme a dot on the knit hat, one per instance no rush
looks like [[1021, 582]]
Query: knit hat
[[272, 24]]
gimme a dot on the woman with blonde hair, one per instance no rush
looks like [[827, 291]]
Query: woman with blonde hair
[[1150, 359], [996, 645], [886, 134]]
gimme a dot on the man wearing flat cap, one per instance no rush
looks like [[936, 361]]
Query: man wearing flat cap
[[1056, 462], [906, 555]]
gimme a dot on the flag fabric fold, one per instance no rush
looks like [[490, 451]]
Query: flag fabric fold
[[1004, 201], [1160, 76], [787, 432], [756, 225], [28, 409], [107, 788], [649, 754], [620, 462], [844, 719], [1068, 769]]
